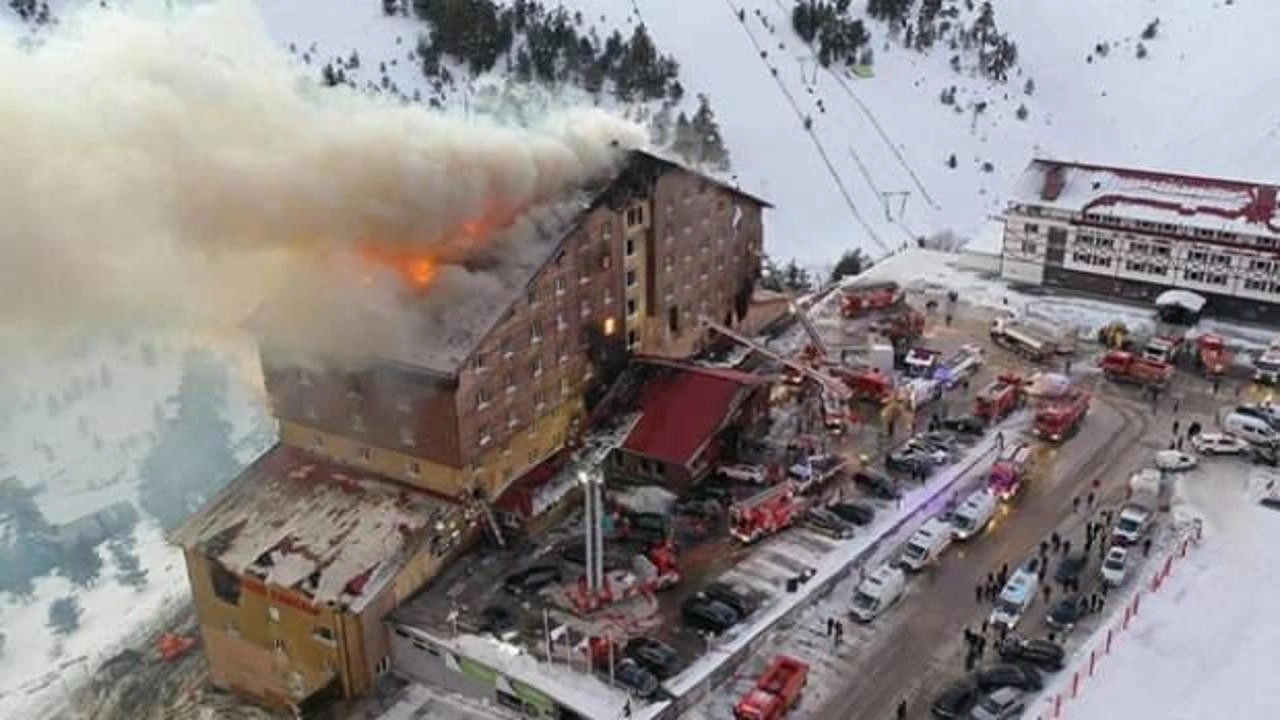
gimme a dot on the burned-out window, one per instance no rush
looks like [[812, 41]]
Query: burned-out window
[[226, 585]]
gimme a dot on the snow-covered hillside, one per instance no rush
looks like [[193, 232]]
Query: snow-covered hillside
[[1197, 102]]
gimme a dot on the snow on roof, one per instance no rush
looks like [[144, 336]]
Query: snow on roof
[[1192, 302], [1229, 206], [331, 532]]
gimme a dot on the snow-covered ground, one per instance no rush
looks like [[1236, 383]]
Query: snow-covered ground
[[84, 456], [1211, 630]]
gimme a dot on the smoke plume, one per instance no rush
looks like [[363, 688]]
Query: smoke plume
[[183, 168]]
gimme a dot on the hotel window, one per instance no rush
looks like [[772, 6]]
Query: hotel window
[[482, 398], [279, 645], [586, 307], [606, 259], [535, 367], [533, 296], [635, 216], [1032, 228], [510, 383], [1194, 275], [561, 323], [512, 419], [631, 278], [560, 286], [414, 467], [630, 246], [539, 399], [1196, 256], [633, 339], [366, 454], [564, 386], [323, 634], [479, 362], [508, 348], [535, 331], [563, 353], [407, 436], [631, 307], [485, 436], [1029, 246], [357, 422]]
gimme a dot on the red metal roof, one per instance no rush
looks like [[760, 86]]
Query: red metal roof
[[683, 409]]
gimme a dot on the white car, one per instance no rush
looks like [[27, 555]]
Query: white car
[[1175, 460], [745, 473], [1113, 567], [1218, 444]]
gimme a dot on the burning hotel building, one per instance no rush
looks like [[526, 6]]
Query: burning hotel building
[[384, 475]]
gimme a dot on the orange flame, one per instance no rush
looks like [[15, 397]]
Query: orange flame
[[417, 268]]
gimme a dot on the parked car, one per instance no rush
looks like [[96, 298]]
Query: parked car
[[701, 509], [657, 657], [1218, 444], [877, 485], [1264, 455], [1269, 414], [965, 424], [1040, 653], [908, 460], [1114, 568], [708, 490], [1003, 704], [854, 512], [753, 474], [498, 620], [828, 523], [1071, 566], [1021, 676], [532, 579], [707, 615], [737, 600], [638, 681], [1175, 460], [955, 701], [1065, 613]]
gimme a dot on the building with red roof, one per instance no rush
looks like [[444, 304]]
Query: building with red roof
[[689, 417], [1137, 234]]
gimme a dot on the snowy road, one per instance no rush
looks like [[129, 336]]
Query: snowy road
[[917, 650]]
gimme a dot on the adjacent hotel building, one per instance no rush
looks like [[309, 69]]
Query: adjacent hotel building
[[1136, 233]]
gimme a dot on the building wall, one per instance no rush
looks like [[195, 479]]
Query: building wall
[[1139, 259], [390, 407], [270, 644]]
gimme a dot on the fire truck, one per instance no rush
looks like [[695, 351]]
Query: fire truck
[[921, 362], [1004, 395], [1163, 348], [1010, 472], [1061, 418], [1212, 355], [860, 299], [1266, 369], [1120, 366], [866, 384], [901, 327], [766, 513], [776, 692]]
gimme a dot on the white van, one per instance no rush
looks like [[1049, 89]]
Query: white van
[[1251, 428], [881, 589], [1016, 596], [926, 545], [1133, 523], [973, 515]]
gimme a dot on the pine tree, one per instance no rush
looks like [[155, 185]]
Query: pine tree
[[81, 564], [852, 262], [951, 161], [683, 141], [1022, 112], [64, 615], [709, 147]]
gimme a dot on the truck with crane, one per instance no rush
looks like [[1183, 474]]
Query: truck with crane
[[1124, 367], [859, 299], [1009, 473], [776, 692], [766, 513], [1023, 340], [1000, 398], [1061, 418]]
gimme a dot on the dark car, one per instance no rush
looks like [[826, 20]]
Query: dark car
[[965, 424], [1071, 567], [707, 615], [657, 657], [1041, 653], [828, 523], [532, 579], [707, 490], [1065, 613], [854, 512], [1015, 675], [632, 675], [701, 509], [1264, 455], [955, 701], [498, 620], [737, 600], [908, 460], [877, 485]]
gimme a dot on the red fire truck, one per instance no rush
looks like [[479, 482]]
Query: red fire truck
[[1120, 366], [1010, 472], [867, 384], [766, 513], [860, 299], [1212, 355], [1004, 395], [776, 692], [1061, 418]]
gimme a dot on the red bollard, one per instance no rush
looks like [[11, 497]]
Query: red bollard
[[1128, 612], [1183, 552], [1168, 565], [1108, 641], [1057, 706], [1075, 685], [1093, 661], [1136, 598]]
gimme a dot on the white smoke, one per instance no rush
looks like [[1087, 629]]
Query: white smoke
[[158, 167]]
